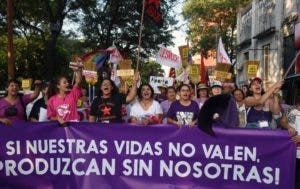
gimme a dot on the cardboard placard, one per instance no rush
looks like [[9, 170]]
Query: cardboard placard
[[222, 76], [89, 66], [223, 67], [194, 78], [194, 69], [125, 72], [26, 84], [125, 64], [252, 68], [184, 54]]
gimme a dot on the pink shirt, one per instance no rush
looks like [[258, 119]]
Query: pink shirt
[[65, 108]]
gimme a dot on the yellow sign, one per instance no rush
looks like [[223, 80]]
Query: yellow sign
[[194, 69], [125, 64], [252, 68], [90, 66], [184, 54], [124, 73], [223, 67], [222, 76], [194, 78], [26, 83]]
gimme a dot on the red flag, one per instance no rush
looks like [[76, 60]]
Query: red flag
[[203, 71], [152, 9]]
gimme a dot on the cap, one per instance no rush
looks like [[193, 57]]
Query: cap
[[216, 83], [253, 79], [163, 86], [202, 86]]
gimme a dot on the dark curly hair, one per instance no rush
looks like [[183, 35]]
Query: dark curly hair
[[139, 91], [114, 91]]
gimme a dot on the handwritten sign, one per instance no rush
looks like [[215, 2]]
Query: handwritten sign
[[167, 58], [222, 76], [155, 82]]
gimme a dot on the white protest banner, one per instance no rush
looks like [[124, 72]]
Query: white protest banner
[[167, 58], [89, 73], [155, 82]]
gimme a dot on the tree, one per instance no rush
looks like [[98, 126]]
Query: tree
[[118, 22], [210, 19], [150, 68], [42, 20]]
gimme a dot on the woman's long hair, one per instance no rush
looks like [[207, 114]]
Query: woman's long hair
[[53, 89], [114, 91], [139, 91]]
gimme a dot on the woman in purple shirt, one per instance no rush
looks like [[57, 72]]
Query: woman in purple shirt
[[183, 111], [13, 105]]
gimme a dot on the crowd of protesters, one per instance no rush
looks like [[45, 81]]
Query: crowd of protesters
[[179, 106]]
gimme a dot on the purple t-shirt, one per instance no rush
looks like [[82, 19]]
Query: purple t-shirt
[[200, 102], [14, 112], [165, 105], [184, 114]]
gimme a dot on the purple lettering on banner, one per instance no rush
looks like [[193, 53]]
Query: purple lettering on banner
[[112, 156]]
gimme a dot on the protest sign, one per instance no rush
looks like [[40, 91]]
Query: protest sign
[[156, 81], [184, 54], [26, 84], [167, 58], [252, 68], [124, 73], [222, 72], [45, 155], [125, 64]]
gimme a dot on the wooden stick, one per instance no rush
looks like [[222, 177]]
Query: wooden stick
[[140, 37], [291, 65]]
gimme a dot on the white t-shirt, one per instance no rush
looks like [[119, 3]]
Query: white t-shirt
[[138, 112]]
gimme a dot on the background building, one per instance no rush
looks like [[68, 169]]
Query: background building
[[265, 32]]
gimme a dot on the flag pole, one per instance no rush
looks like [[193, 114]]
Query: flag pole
[[291, 65], [140, 37]]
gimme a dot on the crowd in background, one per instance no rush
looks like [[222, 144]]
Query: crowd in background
[[139, 105]]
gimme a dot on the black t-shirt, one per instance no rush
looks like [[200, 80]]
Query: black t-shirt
[[35, 111], [108, 110]]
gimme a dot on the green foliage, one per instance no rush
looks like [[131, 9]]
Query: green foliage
[[211, 19], [119, 21], [150, 68], [43, 50]]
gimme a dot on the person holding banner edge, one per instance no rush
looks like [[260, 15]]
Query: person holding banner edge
[[263, 107], [106, 107]]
